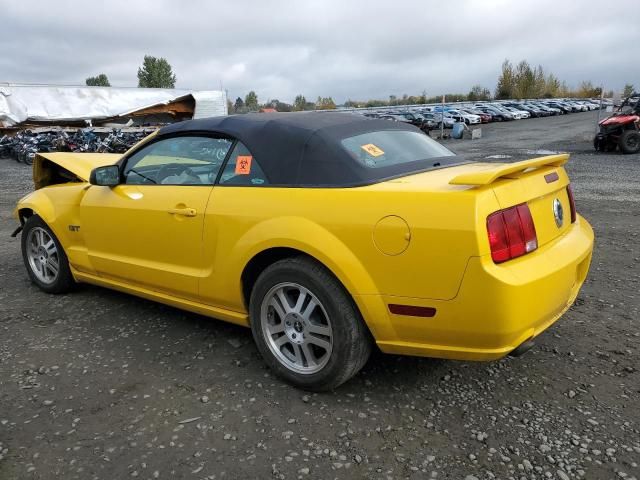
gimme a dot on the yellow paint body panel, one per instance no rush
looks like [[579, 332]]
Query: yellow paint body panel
[[417, 240]]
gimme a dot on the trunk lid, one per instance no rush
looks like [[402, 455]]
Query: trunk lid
[[541, 183]]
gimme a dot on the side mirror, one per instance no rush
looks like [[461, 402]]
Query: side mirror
[[107, 176]]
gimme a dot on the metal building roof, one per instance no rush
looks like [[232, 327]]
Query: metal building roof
[[46, 103]]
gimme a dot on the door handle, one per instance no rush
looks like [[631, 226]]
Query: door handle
[[185, 212]]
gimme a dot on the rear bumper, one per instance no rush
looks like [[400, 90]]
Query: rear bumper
[[497, 308]]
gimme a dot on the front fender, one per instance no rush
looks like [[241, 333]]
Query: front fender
[[40, 204], [58, 206]]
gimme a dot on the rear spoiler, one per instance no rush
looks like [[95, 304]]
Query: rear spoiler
[[508, 170]]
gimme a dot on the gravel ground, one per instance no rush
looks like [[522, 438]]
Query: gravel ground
[[100, 385]]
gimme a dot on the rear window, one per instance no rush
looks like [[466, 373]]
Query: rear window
[[393, 147]]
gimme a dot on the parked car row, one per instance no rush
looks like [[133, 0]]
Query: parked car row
[[434, 117]]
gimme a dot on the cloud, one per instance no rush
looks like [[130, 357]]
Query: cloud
[[352, 49]]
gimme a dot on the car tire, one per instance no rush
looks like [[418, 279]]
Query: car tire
[[44, 258], [629, 141], [313, 347]]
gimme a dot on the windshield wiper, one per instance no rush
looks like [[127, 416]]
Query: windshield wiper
[[143, 176]]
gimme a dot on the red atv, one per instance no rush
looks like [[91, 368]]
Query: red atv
[[622, 129]]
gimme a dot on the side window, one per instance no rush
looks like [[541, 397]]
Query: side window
[[188, 160], [243, 169]]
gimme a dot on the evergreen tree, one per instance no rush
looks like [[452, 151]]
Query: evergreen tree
[[156, 73], [251, 101], [98, 81]]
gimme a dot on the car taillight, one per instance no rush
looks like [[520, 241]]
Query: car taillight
[[511, 233], [572, 203]]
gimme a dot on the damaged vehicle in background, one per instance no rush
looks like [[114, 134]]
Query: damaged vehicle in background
[[327, 234]]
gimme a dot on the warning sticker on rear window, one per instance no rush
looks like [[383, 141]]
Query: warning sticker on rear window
[[243, 165], [372, 150]]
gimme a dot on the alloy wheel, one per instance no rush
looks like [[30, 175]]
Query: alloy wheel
[[42, 255], [296, 328]]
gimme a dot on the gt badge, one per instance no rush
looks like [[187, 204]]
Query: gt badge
[[74, 228], [558, 212]]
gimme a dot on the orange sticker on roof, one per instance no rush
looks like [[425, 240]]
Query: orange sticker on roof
[[243, 165], [372, 150]]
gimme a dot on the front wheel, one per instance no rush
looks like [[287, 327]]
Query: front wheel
[[630, 141], [306, 326], [44, 258]]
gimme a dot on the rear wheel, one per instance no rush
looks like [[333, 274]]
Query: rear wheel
[[630, 141], [44, 258], [306, 326]]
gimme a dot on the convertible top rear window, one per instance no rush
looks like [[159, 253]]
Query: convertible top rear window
[[393, 147]]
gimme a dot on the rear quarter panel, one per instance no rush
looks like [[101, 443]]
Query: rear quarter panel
[[336, 226]]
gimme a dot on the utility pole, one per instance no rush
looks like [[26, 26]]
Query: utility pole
[[442, 120], [600, 107]]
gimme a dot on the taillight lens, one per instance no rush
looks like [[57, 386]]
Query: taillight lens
[[511, 233], [572, 203]]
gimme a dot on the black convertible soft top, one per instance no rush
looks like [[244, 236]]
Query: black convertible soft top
[[304, 148]]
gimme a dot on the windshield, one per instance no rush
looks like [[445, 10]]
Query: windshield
[[393, 147]]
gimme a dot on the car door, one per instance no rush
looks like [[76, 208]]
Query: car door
[[230, 215], [147, 230]]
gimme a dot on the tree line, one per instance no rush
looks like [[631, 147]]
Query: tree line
[[153, 73], [518, 81], [250, 104], [524, 81]]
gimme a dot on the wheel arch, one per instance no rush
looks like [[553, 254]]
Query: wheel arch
[[24, 213], [259, 262], [355, 282], [36, 203], [264, 258], [280, 238]]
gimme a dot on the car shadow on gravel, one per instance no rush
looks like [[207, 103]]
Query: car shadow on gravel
[[232, 345]]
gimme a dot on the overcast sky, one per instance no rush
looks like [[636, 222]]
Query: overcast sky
[[339, 48]]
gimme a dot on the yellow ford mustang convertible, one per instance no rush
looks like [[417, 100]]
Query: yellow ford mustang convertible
[[326, 233]]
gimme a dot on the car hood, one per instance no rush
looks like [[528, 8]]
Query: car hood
[[78, 164]]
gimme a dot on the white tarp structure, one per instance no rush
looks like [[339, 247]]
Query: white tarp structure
[[44, 103]]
